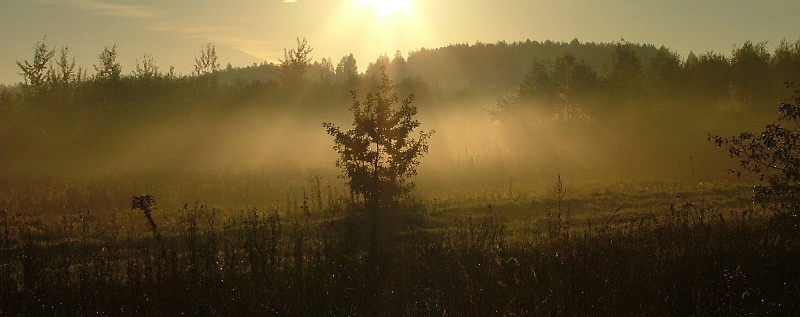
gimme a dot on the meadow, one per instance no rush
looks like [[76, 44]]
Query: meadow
[[627, 249], [563, 179]]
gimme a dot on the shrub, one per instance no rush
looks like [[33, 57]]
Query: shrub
[[774, 154]]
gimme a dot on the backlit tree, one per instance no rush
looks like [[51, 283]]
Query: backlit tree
[[379, 154]]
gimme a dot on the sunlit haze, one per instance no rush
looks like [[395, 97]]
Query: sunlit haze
[[249, 31], [388, 8]]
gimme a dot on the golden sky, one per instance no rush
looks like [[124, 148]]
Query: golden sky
[[250, 31]]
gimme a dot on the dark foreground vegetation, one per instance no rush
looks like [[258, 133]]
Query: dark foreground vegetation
[[657, 250]]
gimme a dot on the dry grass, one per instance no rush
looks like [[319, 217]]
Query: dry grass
[[616, 253]]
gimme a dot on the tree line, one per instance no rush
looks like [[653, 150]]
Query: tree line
[[750, 80], [544, 71]]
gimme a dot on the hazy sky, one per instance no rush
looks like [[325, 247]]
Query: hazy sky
[[250, 31]]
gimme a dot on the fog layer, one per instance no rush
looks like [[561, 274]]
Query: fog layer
[[590, 111]]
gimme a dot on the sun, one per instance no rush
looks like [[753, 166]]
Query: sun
[[380, 27], [386, 8]]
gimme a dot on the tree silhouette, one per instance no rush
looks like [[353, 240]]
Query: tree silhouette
[[379, 154], [786, 62], [626, 70], [295, 62], [347, 67], [147, 69], [381, 64], [326, 70], [665, 72], [751, 74], [207, 62], [538, 83], [575, 79], [774, 154], [707, 77], [109, 69], [66, 69], [34, 73], [561, 87]]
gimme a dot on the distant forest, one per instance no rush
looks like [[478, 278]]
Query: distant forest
[[750, 75], [602, 85]]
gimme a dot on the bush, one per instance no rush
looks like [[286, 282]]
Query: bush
[[774, 154]]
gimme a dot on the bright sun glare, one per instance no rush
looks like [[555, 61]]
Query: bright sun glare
[[388, 7], [382, 26]]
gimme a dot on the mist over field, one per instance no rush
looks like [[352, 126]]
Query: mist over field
[[528, 109]]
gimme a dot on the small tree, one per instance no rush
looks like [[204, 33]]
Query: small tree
[[35, 73], [66, 69], [774, 154], [147, 69], [109, 69], [379, 154], [207, 62], [295, 62]]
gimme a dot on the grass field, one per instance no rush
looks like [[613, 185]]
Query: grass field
[[77, 248]]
